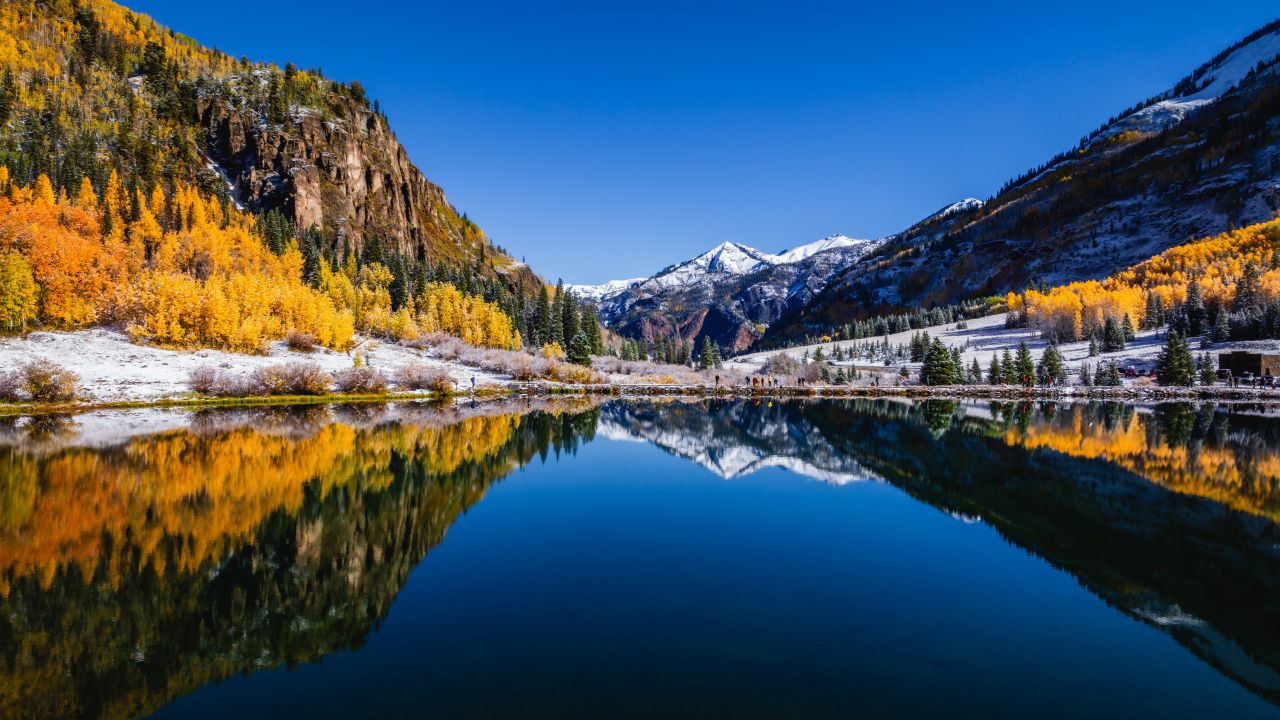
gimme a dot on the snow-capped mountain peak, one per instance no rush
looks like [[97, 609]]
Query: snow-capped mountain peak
[[596, 293], [830, 242], [956, 207], [727, 259]]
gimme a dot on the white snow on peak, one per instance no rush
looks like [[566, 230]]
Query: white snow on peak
[[962, 206], [603, 291], [1216, 81], [724, 260], [830, 242]]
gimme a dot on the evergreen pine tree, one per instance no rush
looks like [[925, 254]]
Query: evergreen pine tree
[[1050, 369], [580, 350], [1108, 375], [1175, 365], [1112, 335], [1009, 370], [1193, 309], [1093, 346], [995, 375], [1086, 375], [705, 359], [1026, 368]]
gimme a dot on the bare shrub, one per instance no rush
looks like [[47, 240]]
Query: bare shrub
[[780, 364], [269, 380], [570, 373], [301, 342], [204, 379], [304, 378], [363, 380], [421, 376], [644, 372], [47, 381], [289, 379], [10, 387]]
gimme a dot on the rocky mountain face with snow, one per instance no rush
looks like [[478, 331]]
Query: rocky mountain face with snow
[[1193, 161], [730, 293]]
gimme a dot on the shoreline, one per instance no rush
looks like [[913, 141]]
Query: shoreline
[[536, 389]]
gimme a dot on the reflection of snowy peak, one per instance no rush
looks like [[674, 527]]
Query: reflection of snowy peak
[[734, 440]]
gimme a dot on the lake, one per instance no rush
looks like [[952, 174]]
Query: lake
[[684, 558]]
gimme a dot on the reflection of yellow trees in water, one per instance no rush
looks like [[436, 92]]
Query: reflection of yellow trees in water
[[1241, 477], [182, 498]]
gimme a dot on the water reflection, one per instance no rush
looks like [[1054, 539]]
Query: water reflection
[[145, 554], [136, 572]]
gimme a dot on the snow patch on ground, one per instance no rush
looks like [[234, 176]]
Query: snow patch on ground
[[111, 368], [987, 337]]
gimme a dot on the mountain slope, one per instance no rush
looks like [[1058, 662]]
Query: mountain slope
[[729, 293], [90, 87], [1191, 162]]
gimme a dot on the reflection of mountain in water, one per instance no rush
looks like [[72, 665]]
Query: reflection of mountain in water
[[733, 439], [293, 543], [1166, 516], [139, 569], [1205, 573]]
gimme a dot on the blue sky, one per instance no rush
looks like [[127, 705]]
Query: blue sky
[[607, 140]]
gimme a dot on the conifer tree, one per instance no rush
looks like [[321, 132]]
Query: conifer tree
[[1026, 367], [1193, 310], [580, 350], [1009, 370], [1112, 335], [1108, 375], [1175, 365], [995, 375], [1051, 370]]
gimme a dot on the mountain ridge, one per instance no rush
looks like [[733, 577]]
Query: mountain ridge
[[727, 293]]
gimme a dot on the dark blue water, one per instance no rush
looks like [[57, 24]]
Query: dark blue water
[[626, 579]]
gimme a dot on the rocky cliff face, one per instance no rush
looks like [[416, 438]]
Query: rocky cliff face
[[343, 172]]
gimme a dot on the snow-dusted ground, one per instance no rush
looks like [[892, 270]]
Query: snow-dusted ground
[[987, 336], [111, 368]]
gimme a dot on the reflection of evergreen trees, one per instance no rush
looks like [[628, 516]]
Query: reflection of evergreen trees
[[1153, 553], [309, 581]]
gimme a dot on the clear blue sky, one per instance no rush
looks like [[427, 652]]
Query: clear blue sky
[[605, 140]]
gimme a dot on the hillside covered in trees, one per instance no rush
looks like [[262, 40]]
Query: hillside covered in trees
[[208, 200], [1198, 160]]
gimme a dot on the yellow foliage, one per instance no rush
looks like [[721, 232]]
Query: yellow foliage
[[215, 283], [1216, 263]]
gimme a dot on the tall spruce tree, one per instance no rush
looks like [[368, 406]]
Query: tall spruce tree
[[1026, 367], [1175, 365]]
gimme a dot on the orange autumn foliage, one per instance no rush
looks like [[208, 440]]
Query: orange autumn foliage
[[1217, 263], [210, 282]]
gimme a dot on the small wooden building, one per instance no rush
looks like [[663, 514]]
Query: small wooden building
[[1242, 361]]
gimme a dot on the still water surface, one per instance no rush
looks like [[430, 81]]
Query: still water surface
[[674, 559]]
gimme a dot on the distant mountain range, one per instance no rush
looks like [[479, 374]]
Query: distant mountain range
[[1193, 161], [729, 292]]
